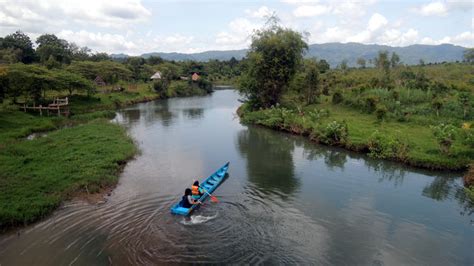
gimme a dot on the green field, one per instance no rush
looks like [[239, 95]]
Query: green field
[[37, 175]]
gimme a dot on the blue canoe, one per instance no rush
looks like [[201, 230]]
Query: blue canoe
[[210, 184]]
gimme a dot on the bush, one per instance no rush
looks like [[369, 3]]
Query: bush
[[381, 112], [382, 146], [445, 135], [335, 133], [467, 135], [371, 103], [159, 87], [337, 97]]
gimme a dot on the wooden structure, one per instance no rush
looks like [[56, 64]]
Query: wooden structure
[[59, 106], [195, 76]]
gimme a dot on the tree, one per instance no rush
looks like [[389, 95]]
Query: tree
[[97, 57], [272, 60], [20, 41], [79, 53], [154, 60], [50, 45], [382, 62], [10, 55], [66, 80], [394, 60], [469, 55], [343, 65], [135, 64], [323, 66], [361, 62], [311, 81], [464, 99]]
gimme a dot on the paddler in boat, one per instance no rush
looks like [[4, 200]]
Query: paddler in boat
[[187, 200], [196, 190]]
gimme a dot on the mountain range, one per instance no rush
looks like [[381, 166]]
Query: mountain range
[[335, 53]]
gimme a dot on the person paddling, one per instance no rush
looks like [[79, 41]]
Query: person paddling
[[196, 190], [187, 201]]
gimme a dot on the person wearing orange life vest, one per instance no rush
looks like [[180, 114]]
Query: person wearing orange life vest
[[196, 190]]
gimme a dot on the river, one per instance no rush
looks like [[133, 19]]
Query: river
[[286, 201]]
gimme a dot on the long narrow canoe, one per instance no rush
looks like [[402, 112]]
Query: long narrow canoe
[[210, 184]]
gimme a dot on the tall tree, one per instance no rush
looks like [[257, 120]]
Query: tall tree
[[311, 81], [382, 62], [272, 60], [469, 55], [361, 62], [50, 45], [20, 41], [394, 60]]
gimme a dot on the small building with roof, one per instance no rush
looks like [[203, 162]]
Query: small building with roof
[[156, 76]]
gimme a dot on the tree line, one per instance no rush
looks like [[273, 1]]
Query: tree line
[[55, 64]]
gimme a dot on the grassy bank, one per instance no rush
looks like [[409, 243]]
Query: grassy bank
[[37, 175], [407, 142]]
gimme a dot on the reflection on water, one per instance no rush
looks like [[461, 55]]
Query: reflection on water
[[193, 113], [287, 201], [269, 160]]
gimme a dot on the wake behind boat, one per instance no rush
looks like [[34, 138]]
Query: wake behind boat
[[209, 184]]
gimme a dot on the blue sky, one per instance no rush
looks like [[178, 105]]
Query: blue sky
[[135, 27]]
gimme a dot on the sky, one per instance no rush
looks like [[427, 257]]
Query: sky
[[135, 27]]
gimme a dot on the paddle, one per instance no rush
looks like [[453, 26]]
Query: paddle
[[213, 198]]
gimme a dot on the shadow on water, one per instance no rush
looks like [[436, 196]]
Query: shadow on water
[[269, 160], [193, 113]]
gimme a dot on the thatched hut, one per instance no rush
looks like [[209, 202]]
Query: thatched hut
[[156, 76]]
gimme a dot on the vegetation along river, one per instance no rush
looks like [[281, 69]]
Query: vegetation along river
[[286, 200]]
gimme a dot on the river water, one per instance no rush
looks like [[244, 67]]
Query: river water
[[286, 201]]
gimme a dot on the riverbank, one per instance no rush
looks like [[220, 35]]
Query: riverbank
[[407, 142], [80, 155]]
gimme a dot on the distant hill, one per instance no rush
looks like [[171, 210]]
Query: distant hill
[[334, 53]]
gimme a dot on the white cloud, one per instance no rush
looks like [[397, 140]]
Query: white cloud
[[432, 9], [178, 39], [293, 2], [238, 35], [262, 12], [52, 15], [376, 22], [311, 11], [114, 43]]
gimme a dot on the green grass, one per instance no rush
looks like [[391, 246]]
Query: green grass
[[37, 175], [423, 148], [16, 124]]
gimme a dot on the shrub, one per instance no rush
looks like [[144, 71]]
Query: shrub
[[383, 146], [445, 135], [371, 103], [381, 112], [159, 87], [335, 133], [467, 135], [337, 97]]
